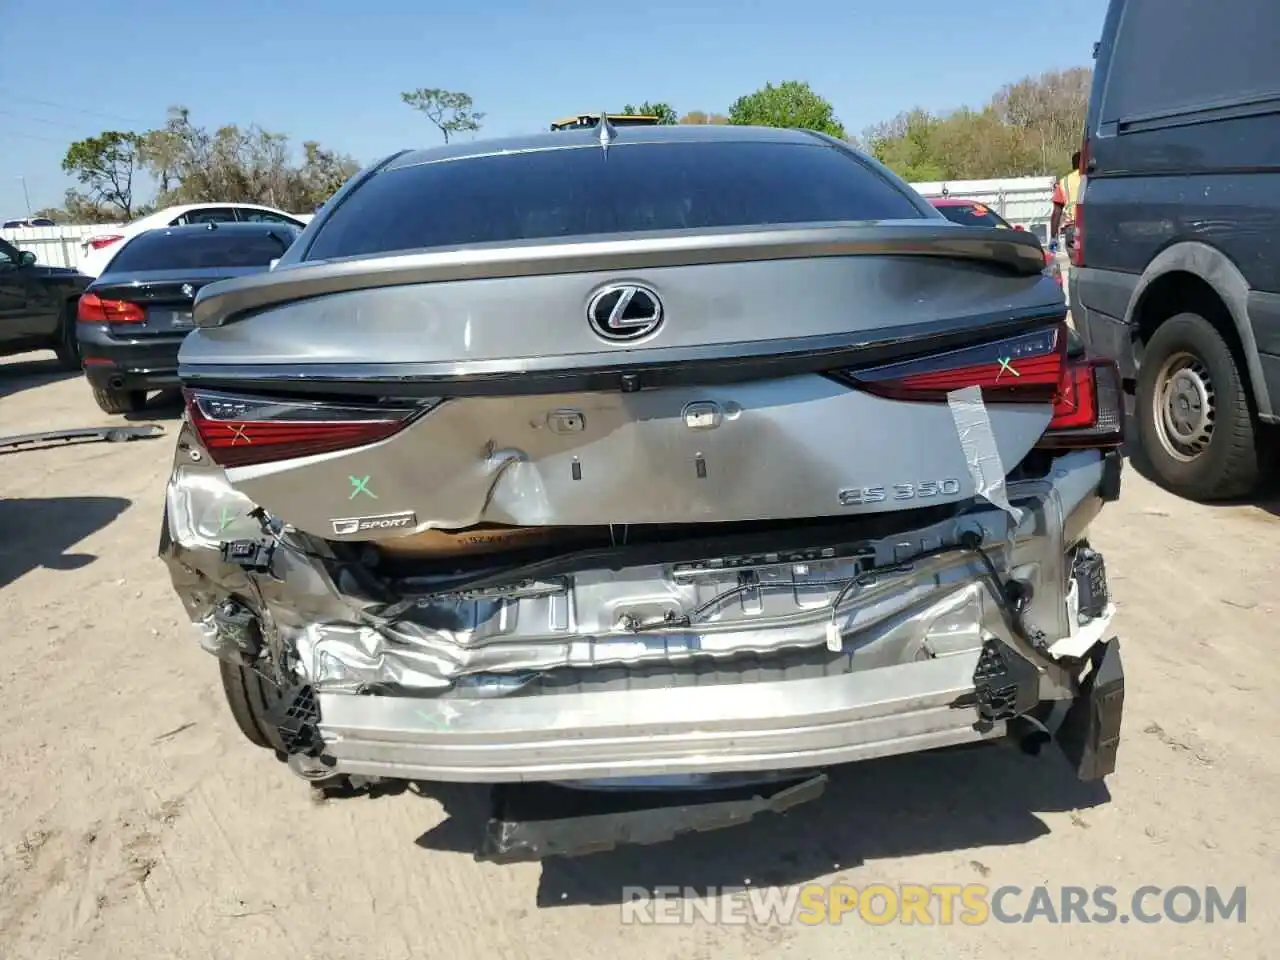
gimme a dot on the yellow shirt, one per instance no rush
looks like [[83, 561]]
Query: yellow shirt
[[1067, 193]]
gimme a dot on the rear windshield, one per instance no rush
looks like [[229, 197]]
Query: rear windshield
[[194, 249], [580, 191], [972, 215]]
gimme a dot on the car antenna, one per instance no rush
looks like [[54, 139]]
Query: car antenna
[[606, 131]]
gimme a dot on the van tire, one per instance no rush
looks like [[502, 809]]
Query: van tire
[[119, 401], [1192, 408]]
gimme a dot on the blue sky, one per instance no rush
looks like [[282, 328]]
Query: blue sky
[[333, 71]]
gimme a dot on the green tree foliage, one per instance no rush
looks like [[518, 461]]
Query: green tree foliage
[[193, 164], [702, 116], [1028, 128], [661, 110], [789, 104], [107, 165], [452, 112]]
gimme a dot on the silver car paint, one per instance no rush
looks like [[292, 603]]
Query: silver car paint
[[781, 449], [578, 676], [485, 325]]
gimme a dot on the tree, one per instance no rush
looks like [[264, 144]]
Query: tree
[[1028, 127], [106, 165], [789, 104], [701, 116], [1050, 110], [240, 165], [661, 110], [449, 110]]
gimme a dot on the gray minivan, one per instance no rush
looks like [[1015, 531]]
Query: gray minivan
[[1176, 265]]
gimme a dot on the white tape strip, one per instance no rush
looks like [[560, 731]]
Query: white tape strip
[[978, 442]]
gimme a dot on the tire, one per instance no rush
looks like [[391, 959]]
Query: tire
[[1194, 422], [67, 347], [250, 697], [119, 401]]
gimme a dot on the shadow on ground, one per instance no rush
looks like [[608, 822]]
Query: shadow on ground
[[40, 532], [1266, 497], [165, 405], [951, 800], [28, 374]]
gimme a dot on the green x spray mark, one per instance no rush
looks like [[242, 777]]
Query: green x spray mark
[[1006, 364], [360, 485], [225, 519]]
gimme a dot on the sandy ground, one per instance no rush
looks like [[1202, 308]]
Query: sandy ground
[[136, 823]]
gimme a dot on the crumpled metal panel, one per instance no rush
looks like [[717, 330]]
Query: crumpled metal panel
[[344, 640], [676, 455]]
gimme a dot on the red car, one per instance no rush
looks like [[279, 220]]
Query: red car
[[973, 213]]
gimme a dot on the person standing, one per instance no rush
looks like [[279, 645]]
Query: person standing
[[1066, 192]]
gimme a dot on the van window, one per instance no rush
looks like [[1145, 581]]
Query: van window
[[1175, 55]]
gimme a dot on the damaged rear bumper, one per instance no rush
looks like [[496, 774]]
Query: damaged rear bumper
[[534, 690], [758, 726]]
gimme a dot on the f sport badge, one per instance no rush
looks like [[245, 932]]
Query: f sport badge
[[349, 526]]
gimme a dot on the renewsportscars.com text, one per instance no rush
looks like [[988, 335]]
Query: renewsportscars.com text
[[940, 904]]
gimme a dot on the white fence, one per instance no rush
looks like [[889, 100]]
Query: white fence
[[56, 246], [1025, 201]]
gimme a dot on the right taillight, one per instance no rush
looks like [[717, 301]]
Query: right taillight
[[103, 241], [239, 430], [94, 309], [1077, 245], [1088, 410]]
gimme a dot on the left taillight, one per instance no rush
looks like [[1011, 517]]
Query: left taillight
[[94, 309], [239, 431]]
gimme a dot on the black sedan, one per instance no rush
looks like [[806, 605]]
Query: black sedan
[[133, 318]]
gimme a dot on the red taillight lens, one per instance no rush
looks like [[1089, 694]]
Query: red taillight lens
[[94, 309], [106, 240], [1089, 408], [1020, 369], [238, 431], [1077, 248]]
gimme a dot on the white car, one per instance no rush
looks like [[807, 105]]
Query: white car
[[97, 250]]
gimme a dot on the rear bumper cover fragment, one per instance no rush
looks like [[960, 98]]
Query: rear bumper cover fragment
[[1090, 732], [535, 821]]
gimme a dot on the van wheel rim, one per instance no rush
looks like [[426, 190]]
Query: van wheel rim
[[1184, 408]]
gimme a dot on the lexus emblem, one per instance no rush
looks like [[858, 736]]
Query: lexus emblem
[[624, 311]]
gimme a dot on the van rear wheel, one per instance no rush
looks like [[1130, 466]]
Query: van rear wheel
[[1193, 415]]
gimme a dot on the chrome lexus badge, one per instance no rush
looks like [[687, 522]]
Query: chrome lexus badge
[[624, 311]]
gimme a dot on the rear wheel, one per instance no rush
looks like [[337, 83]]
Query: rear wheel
[[250, 698], [119, 401], [67, 347], [1193, 414]]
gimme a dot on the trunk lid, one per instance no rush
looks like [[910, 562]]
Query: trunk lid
[[514, 387], [166, 296]]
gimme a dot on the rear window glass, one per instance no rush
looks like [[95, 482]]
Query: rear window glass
[[973, 215], [194, 249], [583, 191], [1173, 55]]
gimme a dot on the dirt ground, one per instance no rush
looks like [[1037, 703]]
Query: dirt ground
[[136, 823]]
